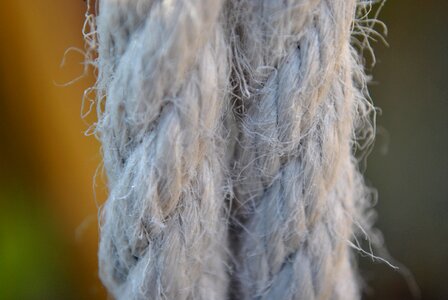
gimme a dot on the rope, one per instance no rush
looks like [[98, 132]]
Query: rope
[[228, 131]]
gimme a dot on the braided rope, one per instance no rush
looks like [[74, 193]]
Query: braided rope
[[228, 136]]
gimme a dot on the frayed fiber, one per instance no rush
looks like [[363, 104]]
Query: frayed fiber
[[229, 131]]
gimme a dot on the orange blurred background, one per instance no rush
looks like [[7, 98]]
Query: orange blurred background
[[48, 211], [48, 214]]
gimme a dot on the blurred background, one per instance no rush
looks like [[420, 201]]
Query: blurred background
[[48, 200]]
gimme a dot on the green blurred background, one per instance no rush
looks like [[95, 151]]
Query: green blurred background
[[48, 227]]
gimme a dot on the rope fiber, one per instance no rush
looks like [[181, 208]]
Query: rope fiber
[[229, 130]]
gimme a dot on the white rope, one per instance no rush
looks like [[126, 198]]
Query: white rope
[[228, 135]]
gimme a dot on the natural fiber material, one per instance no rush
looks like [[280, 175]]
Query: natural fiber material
[[228, 134]]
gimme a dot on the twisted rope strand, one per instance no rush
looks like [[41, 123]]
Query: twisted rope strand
[[164, 68]]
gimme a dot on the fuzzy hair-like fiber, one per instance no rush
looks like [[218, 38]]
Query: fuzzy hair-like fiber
[[229, 130]]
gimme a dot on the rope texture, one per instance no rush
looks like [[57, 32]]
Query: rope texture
[[228, 135]]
